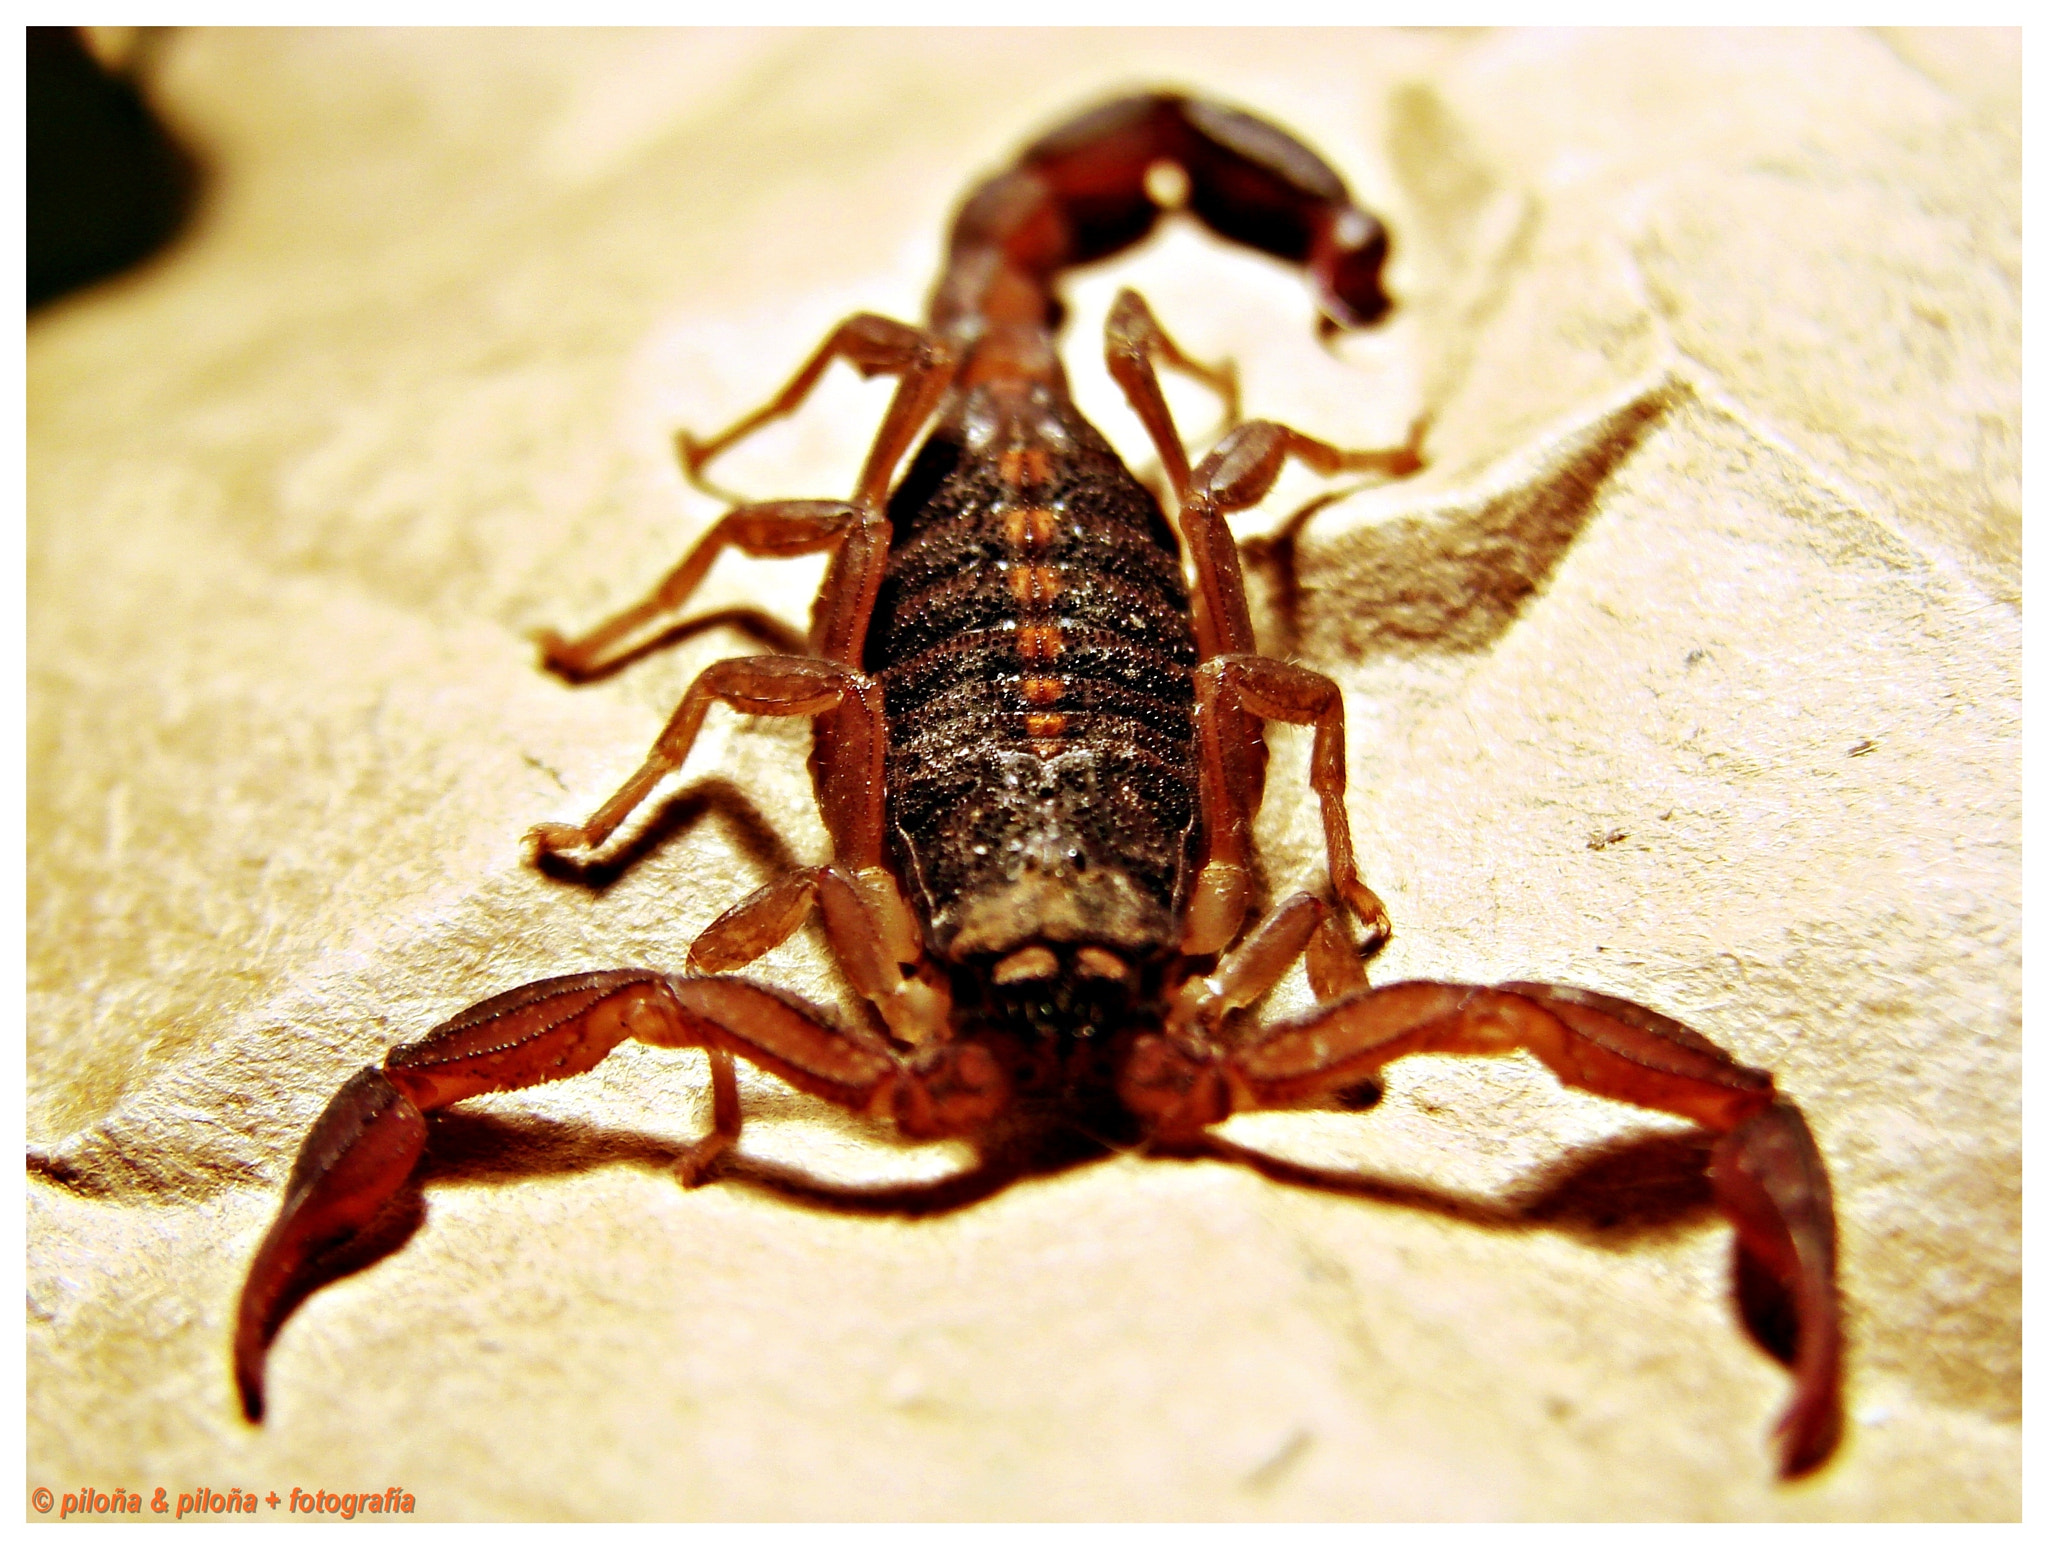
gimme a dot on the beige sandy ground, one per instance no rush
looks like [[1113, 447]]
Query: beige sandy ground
[[1688, 670]]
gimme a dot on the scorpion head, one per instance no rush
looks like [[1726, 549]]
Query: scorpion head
[[1064, 1015], [1058, 991]]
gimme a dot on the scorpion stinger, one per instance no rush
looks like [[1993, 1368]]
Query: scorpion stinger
[[1037, 709]]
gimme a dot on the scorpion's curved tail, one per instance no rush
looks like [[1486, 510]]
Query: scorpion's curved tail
[[1099, 183]]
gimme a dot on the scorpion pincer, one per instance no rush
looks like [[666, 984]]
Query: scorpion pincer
[[1037, 709]]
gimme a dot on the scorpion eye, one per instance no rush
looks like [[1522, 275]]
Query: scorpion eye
[[1099, 963]]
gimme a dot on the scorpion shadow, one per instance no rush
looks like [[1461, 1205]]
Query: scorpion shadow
[[1609, 1195], [1452, 576], [758, 625], [747, 826]]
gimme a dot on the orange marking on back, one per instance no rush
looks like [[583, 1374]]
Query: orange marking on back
[[1044, 691], [1028, 528], [1051, 724], [1034, 585], [1039, 642], [1024, 467]]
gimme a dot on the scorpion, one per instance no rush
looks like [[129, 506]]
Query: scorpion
[[1037, 709]]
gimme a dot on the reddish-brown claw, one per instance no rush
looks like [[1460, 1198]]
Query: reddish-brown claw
[[1768, 1175], [363, 1148], [1771, 1182], [354, 1161]]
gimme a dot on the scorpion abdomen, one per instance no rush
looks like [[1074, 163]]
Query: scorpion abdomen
[[1033, 642]]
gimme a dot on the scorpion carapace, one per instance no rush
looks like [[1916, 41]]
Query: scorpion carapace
[[1037, 708]]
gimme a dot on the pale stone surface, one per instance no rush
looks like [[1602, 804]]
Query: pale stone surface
[[1688, 670]]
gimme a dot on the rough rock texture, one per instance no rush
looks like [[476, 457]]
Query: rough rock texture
[[1688, 670]]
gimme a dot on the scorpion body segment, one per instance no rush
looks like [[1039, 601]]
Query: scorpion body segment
[[1037, 707]]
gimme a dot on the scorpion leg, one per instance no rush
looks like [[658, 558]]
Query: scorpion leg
[[873, 346], [1251, 968], [757, 924], [850, 737], [866, 916], [871, 931], [1238, 474], [752, 685], [1231, 699], [1132, 341], [1769, 1178], [776, 529], [1233, 753], [1133, 344], [700, 1159], [1278, 691], [854, 532], [1235, 476]]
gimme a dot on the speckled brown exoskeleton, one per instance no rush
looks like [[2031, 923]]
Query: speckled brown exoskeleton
[[1037, 706]]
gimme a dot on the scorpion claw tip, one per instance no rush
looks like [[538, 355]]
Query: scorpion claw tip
[[552, 838], [555, 655], [249, 1384], [1807, 1435], [693, 455]]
